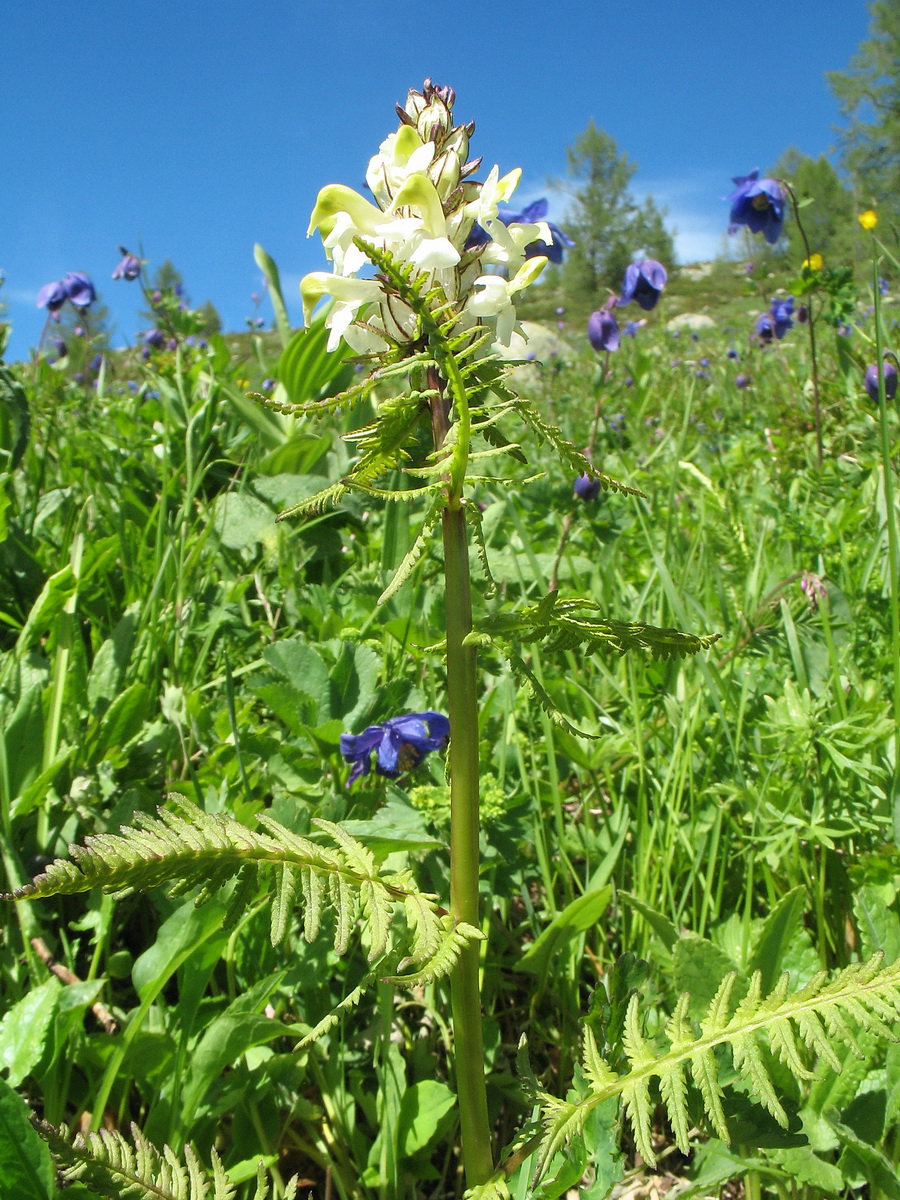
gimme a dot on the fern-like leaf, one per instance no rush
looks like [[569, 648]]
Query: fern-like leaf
[[186, 848], [865, 994], [114, 1167]]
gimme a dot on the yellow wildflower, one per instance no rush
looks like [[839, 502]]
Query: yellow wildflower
[[868, 219], [815, 262]]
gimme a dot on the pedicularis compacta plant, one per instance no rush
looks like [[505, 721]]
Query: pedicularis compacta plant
[[423, 289]]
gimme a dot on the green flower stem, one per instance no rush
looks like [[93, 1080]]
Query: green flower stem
[[891, 518], [462, 707], [464, 856]]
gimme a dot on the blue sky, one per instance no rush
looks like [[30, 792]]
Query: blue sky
[[199, 128]]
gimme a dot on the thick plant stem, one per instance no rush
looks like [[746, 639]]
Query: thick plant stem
[[462, 710], [464, 853]]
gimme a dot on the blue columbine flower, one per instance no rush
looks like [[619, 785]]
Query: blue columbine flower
[[52, 296], [79, 289], [603, 330], [758, 204], [765, 327], [643, 283], [129, 267], [890, 381], [586, 488], [782, 311], [530, 215], [401, 744]]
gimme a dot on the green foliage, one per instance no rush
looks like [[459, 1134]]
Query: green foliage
[[188, 848], [828, 212], [108, 1164], [778, 1024], [867, 95]]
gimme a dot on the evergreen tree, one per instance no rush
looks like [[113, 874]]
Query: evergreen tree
[[868, 93], [608, 227], [828, 220]]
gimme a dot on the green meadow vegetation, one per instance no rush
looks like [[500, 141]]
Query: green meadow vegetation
[[229, 973]]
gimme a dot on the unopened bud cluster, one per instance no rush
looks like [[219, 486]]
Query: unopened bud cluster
[[425, 214]]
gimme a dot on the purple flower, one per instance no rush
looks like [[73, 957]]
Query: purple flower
[[617, 421], [781, 311], [765, 327], [61, 349], [401, 744], [742, 380], [704, 362], [586, 488], [629, 382], [155, 338], [172, 344], [603, 330], [732, 353], [643, 283], [268, 384], [79, 289], [630, 328], [52, 296], [758, 204], [530, 215], [96, 362], [890, 381], [129, 268]]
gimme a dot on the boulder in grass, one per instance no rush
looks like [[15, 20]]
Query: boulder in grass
[[539, 344], [692, 322]]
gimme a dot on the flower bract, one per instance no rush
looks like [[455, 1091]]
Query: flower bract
[[399, 744], [758, 204]]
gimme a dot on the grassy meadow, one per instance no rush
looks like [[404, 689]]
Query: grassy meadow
[[161, 632]]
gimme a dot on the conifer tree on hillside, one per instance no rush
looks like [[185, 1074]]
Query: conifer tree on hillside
[[828, 219], [608, 226], [868, 93]]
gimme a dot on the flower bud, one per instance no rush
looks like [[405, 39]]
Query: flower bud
[[890, 381]]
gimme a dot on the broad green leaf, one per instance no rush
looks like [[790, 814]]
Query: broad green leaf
[[583, 913], [776, 934], [26, 1168], [178, 938], [241, 520], [267, 265], [879, 925], [664, 929], [860, 1162], [304, 669], [396, 826], [120, 723], [59, 588], [24, 1029], [698, 967], [422, 1108]]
